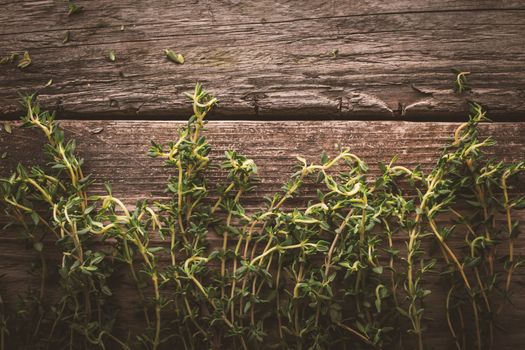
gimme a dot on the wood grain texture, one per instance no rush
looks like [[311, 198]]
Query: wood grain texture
[[115, 151], [267, 58]]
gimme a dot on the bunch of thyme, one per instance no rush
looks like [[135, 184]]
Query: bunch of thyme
[[350, 269]]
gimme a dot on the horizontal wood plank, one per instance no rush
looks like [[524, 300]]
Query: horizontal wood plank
[[267, 58], [116, 151]]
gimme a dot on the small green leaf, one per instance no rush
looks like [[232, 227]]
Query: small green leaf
[[9, 59], [378, 269], [7, 128], [111, 56], [172, 56], [402, 312], [66, 37], [35, 217], [96, 260], [39, 246], [461, 83], [73, 9], [154, 250], [25, 61], [106, 290]]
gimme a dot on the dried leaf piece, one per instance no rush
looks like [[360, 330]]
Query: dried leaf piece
[[174, 57], [4, 155], [73, 9], [7, 128], [49, 82], [111, 56], [66, 37], [9, 59], [25, 61], [96, 130], [334, 53]]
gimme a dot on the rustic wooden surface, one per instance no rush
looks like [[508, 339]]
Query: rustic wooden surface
[[264, 59], [267, 58], [116, 151]]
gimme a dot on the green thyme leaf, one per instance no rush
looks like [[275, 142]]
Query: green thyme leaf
[[73, 9], [9, 59], [25, 61], [66, 37], [38, 246], [461, 83], [172, 56], [111, 56]]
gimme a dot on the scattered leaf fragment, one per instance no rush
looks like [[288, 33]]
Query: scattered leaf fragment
[[96, 130], [66, 37], [73, 9], [111, 56], [461, 83], [334, 53], [4, 155], [174, 57], [7, 128], [9, 59], [49, 82], [38, 246], [25, 61], [106, 290], [122, 27]]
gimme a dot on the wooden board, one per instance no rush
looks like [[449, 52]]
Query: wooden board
[[267, 58], [115, 151]]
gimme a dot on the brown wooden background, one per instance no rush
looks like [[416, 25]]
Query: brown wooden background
[[388, 91]]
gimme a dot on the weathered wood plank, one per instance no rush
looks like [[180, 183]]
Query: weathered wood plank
[[115, 151], [267, 58]]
